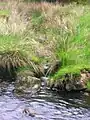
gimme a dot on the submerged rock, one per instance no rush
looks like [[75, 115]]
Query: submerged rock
[[26, 84], [29, 112]]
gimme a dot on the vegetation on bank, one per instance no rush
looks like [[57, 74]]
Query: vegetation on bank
[[75, 53], [39, 32]]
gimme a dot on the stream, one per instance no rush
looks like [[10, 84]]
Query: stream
[[45, 105]]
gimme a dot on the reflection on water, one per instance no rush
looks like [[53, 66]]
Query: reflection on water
[[45, 106]]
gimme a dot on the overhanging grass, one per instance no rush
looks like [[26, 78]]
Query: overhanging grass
[[15, 53], [72, 69], [11, 55]]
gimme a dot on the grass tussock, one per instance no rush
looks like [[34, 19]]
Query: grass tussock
[[12, 59]]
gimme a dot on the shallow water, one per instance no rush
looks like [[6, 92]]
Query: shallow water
[[44, 106]]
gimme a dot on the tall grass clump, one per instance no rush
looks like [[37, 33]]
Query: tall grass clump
[[11, 55], [73, 50]]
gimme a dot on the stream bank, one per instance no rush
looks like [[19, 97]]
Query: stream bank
[[29, 81]]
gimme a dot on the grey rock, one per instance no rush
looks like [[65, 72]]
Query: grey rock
[[27, 84]]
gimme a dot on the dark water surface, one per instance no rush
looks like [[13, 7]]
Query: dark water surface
[[44, 106]]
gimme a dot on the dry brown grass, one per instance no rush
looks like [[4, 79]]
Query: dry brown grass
[[12, 60]]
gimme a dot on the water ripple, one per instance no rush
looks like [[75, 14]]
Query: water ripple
[[45, 106]]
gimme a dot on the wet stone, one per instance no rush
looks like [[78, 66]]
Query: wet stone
[[27, 84]]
